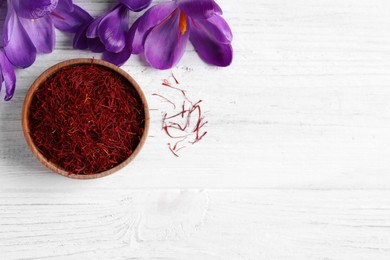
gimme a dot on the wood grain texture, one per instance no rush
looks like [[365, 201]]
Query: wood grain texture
[[195, 224], [295, 165]]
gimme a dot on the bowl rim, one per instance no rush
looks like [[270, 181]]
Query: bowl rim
[[43, 77]]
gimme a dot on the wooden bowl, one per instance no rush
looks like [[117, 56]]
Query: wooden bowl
[[26, 110]]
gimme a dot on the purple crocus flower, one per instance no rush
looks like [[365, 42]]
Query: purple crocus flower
[[163, 31], [29, 27], [107, 33]]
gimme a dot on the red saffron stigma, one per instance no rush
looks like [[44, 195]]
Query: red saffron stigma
[[57, 15], [177, 82], [177, 123], [86, 119], [164, 98], [172, 150]]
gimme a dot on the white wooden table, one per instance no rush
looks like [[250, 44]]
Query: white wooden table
[[295, 165]]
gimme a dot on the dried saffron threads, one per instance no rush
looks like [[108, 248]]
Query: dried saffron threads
[[86, 119], [184, 122]]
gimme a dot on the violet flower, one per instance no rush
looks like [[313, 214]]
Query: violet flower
[[163, 31], [29, 27], [107, 33]]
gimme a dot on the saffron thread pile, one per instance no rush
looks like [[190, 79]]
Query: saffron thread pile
[[185, 123], [86, 119]]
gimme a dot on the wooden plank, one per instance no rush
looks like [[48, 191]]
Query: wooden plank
[[195, 224]]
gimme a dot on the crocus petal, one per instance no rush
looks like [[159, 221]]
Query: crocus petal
[[33, 9], [217, 8], [197, 9], [113, 28], [8, 75], [210, 50], [165, 45], [41, 32], [135, 42], [66, 5], [146, 22], [136, 5], [17, 44], [216, 28], [80, 40], [1, 2], [70, 21], [117, 58], [1, 79], [92, 31], [95, 45]]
